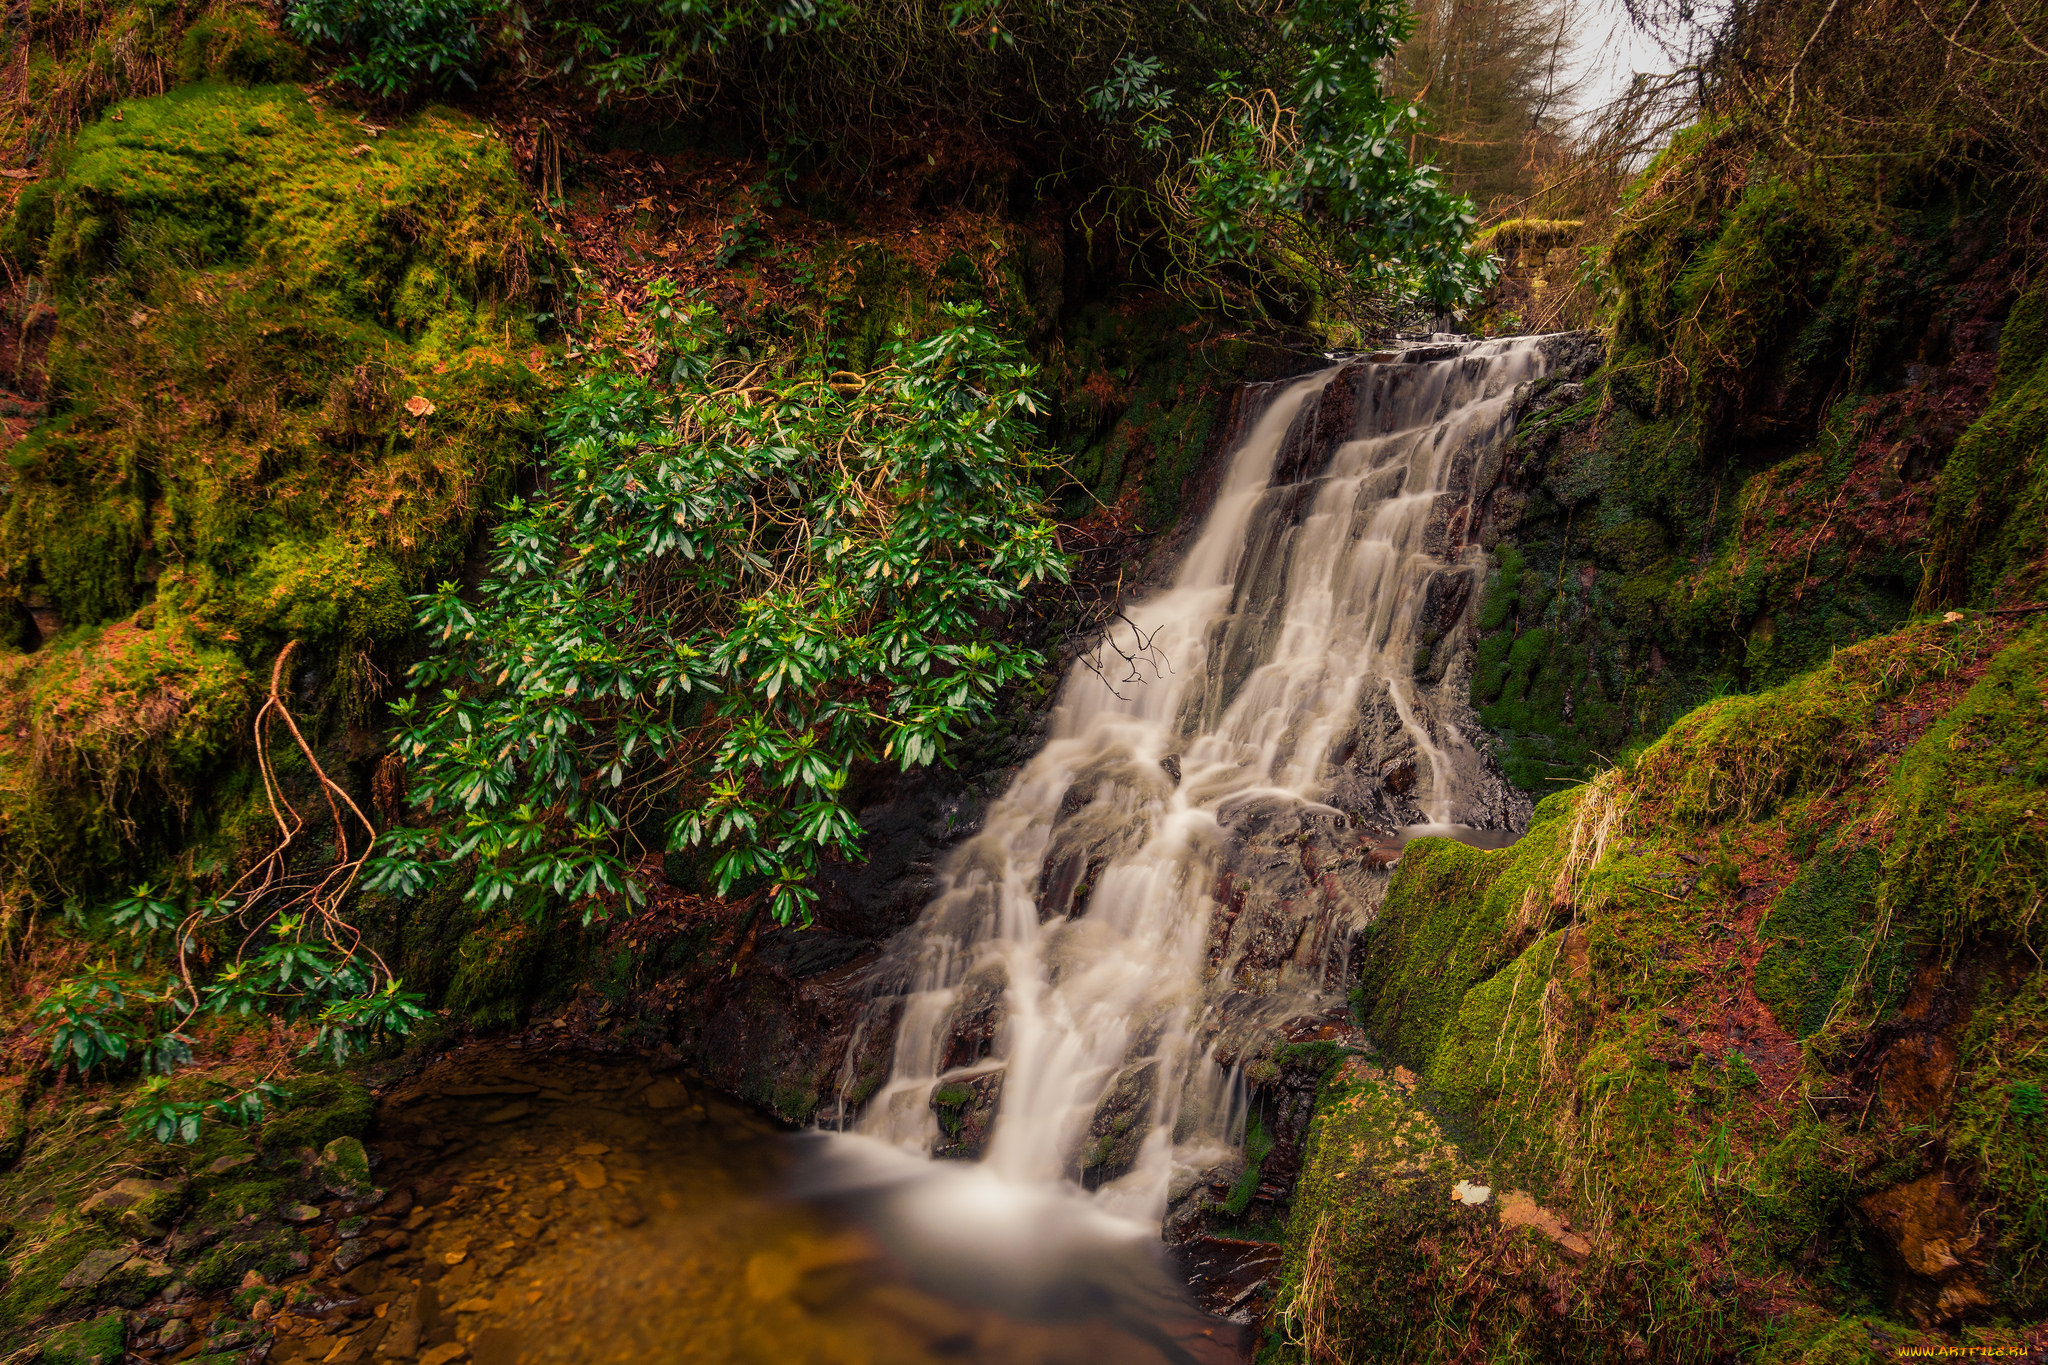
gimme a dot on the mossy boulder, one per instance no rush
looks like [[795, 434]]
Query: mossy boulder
[[318, 1109], [294, 365], [343, 1168], [1385, 1214], [140, 1208], [240, 44], [96, 1341], [1736, 1011]]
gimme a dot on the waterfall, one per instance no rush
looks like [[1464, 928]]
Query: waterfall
[[1166, 868]]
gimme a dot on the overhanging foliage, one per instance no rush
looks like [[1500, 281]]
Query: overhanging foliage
[[736, 582]]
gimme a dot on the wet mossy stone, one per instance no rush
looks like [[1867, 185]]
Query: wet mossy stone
[[317, 1110], [97, 1341], [272, 1255], [344, 1168], [140, 1208]]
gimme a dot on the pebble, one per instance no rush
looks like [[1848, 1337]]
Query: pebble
[[301, 1213], [445, 1354], [518, 1109], [589, 1174], [591, 1149], [402, 1341]]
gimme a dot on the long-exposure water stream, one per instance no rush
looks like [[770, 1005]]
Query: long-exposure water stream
[[1333, 567]]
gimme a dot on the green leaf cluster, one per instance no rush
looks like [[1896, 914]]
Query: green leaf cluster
[[733, 584], [1321, 171]]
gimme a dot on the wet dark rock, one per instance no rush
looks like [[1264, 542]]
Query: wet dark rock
[[1572, 356], [1067, 882], [1398, 776], [1193, 1198], [354, 1252], [1117, 1131], [1939, 1247], [911, 823], [978, 1013], [1295, 887], [1078, 798], [1232, 1277], [1326, 421], [966, 1111]]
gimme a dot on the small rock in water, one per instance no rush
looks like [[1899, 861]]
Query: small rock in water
[[518, 1109], [445, 1354], [628, 1215], [666, 1093], [591, 1149], [589, 1175], [770, 1276], [354, 1252], [401, 1341]]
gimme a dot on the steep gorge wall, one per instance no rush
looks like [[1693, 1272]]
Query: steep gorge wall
[[1738, 1050]]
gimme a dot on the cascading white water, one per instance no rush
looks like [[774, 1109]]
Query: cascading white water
[[1076, 925]]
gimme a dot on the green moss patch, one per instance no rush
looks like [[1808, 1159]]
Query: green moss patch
[[294, 366], [1712, 1004]]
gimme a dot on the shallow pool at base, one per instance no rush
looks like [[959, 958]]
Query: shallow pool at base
[[582, 1209]]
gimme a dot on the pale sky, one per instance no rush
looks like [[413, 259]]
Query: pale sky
[[1610, 51]]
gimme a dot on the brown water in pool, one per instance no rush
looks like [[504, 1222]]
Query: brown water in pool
[[581, 1208]]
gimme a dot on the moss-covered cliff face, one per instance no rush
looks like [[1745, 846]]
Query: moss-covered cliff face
[[1737, 1051], [291, 364], [1785, 451], [1755, 1020]]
